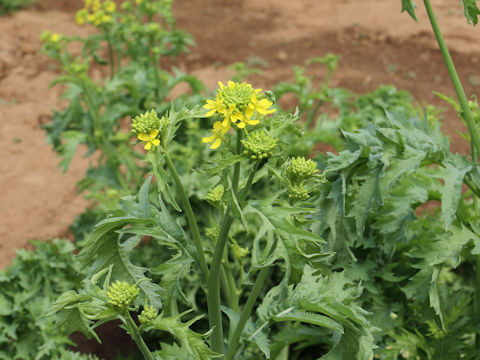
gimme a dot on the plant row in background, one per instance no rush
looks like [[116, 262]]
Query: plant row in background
[[220, 236]]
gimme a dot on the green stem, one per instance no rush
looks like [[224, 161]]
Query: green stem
[[246, 312], [135, 333], [110, 52], [311, 117], [232, 286], [213, 296], [190, 217], [476, 306], [104, 143], [474, 134]]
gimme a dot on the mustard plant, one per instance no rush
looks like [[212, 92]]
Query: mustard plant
[[251, 247]]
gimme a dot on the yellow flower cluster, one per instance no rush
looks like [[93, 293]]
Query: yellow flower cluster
[[96, 12], [236, 103], [50, 37]]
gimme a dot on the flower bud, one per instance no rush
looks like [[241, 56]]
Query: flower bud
[[121, 294], [148, 314], [300, 169], [145, 123], [212, 232], [215, 194], [298, 192], [238, 252], [259, 145]]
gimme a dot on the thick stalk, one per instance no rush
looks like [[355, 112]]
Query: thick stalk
[[190, 217], [135, 333], [467, 115], [213, 297], [246, 312]]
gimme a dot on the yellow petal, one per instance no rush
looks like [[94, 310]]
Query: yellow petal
[[253, 122], [148, 146], [153, 134], [216, 144], [220, 85], [156, 142], [209, 105], [231, 84], [225, 123], [143, 137], [210, 113], [241, 125], [208, 139]]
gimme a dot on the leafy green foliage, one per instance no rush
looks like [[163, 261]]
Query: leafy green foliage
[[8, 6], [27, 289]]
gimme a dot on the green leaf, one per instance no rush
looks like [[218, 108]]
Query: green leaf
[[471, 10], [409, 6], [327, 302], [70, 141], [190, 341], [70, 317], [452, 174], [308, 318], [367, 193]]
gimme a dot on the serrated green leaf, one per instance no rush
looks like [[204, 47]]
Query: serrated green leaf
[[190, 341], [452, 174], [70, 142], [367, 193]]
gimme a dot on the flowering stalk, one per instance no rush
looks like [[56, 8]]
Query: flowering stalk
[[237, 104], [214, 311], [474, 133], [190, 217], [136, 336], [247, 310]]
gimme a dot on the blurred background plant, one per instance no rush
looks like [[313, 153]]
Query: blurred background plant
[[8, 6]]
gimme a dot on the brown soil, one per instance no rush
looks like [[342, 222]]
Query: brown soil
[[38, 201]]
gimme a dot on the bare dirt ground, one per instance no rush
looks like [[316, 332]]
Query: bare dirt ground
[[372, 37]]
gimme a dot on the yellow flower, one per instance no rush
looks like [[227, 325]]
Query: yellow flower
[[230, 115], [214, 106], [216, 138], [106, 18], [54, 37], [149, 139], [110, 6], [80, 17], [261, 106], [247, 120]]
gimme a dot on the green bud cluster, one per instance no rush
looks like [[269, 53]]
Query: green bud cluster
[[215, 194], [144, 123], [212, 232], [148, 314], [239, 252], [121, 294], [298, 192], [259, 145], [301, 169], [301, 174], [239, 95]]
